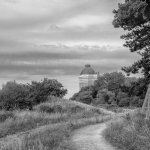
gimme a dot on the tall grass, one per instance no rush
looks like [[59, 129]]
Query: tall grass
[[131, 133], [47, 126]]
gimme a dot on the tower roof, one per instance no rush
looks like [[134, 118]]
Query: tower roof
[[87, 70]]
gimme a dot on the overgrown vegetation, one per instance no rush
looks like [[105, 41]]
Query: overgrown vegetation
[[22, 96], [134, 17], [131, 133], [114, 89], [47, 126]]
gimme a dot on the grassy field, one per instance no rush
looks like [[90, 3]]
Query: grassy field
[[48, 126], [130, 133]]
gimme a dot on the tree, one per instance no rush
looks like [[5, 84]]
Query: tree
[[136, 101], [39, 91], [75, 97], [134, 16], [124, 102], [13, 96], [22, 96], [105, 97], [111, 81], [134, 87], [121, 95], [85, 95], [91, 89]]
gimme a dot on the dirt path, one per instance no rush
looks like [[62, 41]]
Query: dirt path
[[90, 138]]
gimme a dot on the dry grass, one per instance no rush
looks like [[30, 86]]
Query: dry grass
[[130, 133], [48, 126]]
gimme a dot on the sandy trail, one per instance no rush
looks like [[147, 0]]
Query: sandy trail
[[91, 138]]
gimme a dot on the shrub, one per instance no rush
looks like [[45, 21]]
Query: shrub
[[5, 115], [13, 96], [20, 96], [51, 130], [41, 90], [124, 102], [76, 109], [58, 108], [133, 133], [104, 97], [85, 97], [136, 101], [46, 108]]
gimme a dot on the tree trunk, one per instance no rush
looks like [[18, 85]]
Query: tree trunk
[[146, 104]]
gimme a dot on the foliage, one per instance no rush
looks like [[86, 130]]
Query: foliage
[[105, 97], [136, 101], [114, 89], [83, 96], [110, 81], [124, 102], [14, 96], [129, 80], [104, 90], [134, 16], [42, 130], [5, 115], [39, 91], [134, 133], [22, 96], [137, 88], [100, 97]]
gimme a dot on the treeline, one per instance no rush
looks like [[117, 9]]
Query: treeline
[[114, 89], [25, 96]]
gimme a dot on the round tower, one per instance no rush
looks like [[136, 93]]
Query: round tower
[[87, 76]]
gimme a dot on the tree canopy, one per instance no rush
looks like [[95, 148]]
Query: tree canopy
[[110, 81], [22, 96], [113, 89], [134, 17]]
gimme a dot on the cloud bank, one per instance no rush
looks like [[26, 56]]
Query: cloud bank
[[57, 38]]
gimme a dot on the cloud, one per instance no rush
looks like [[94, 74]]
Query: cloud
[[70, 62], [11, 1], [31, 30], [85, 21], [29, 14], [35, 22]]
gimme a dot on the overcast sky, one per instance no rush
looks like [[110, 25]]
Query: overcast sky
[[56, 38]]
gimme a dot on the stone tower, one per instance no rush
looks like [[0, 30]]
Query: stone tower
[[87, 76]]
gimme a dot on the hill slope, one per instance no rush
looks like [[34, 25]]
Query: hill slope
[[48, 125]]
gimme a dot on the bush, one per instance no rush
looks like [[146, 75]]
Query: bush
[[5, 115], [104, 97], [58, 109], [124, 102], [76, 109], [41, 90], [46, 108], [85, 97], [21, 96], [133, 133], [13, 96], [136, 101], [51, 130]]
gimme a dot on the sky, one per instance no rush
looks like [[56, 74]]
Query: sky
[[55, 39]]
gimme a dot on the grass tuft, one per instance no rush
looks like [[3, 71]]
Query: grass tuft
[[131, 133], [48, 126]]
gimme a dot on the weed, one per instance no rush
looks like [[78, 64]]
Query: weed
[[133, 133], [48, 126]]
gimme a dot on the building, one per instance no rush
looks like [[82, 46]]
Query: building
[[87, 76]]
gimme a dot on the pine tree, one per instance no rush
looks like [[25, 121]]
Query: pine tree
[[134, 17]]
